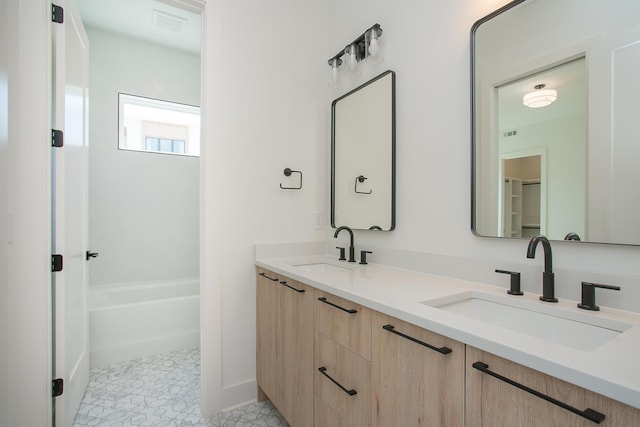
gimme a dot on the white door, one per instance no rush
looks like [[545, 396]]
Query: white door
[[613, 174], [70, 211]]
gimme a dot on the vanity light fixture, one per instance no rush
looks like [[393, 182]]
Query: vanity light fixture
[[367, 46], [540, 97]]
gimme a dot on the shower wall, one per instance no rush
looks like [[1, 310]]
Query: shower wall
[[143, 207]]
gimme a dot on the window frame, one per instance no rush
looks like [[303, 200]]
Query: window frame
[[144, 101]]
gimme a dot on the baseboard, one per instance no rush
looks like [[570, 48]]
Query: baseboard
[[239, 394]]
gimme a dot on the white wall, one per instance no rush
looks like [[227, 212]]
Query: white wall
[[4, 204], [266, 110], [269, 108], [144, 207], [428, 46]]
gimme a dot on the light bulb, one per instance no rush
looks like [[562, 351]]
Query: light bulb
[[374, 47], [373, 44]]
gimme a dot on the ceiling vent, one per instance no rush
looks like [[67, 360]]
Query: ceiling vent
[[166, 21]]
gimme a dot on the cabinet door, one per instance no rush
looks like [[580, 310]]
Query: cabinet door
[[268, 367], [296, 310], [493, 402], [414, 385], [284, 346]]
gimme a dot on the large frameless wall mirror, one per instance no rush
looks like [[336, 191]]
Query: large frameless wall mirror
[[556, 135], [363, 156]]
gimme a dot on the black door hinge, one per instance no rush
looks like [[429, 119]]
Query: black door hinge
[[56, 262], [57, 138], [57, 14], [58, 387]]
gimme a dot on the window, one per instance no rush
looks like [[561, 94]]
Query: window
[[152, 125], [163, 145]]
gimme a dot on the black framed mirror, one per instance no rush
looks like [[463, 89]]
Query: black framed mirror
[[363, 156], [569, 163]]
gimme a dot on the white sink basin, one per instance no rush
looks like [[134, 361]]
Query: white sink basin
[[322, 267], [559, 325]]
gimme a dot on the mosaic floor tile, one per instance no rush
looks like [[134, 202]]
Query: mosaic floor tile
[[162, 390]]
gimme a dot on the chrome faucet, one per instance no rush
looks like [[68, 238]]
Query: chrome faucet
[[352, 249], [548, 286]]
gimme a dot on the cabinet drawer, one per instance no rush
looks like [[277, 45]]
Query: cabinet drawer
[[492, 401], [343, 321], [344, 383], [324, 416]]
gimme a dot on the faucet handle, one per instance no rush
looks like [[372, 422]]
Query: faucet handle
[[515, 282], [342, 253], [589, 295], [363, 256]]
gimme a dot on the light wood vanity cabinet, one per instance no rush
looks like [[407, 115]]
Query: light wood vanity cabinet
[[342, 362], [417, 376], [284, 346], [491, 401], [382, 372]]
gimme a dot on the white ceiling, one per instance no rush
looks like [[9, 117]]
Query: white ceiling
[[568, 79], [138, 18]]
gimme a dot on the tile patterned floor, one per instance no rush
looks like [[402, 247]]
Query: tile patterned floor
[[162, 390]]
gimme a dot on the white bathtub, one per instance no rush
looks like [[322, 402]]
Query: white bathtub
[[129, 321]]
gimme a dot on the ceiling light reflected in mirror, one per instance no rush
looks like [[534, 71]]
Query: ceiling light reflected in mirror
[[540, 97]]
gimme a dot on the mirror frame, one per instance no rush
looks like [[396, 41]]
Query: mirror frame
[[392, 142]]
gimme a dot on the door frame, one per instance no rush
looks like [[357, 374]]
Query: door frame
[[542, 152], [28, 302], [29, 346], [211, 213]]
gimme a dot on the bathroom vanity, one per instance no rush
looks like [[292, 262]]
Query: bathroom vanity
[[340, 344]]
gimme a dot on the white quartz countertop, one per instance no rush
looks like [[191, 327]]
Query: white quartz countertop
[[610, 369]]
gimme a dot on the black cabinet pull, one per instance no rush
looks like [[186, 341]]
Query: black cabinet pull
[[323, 371], [291, 287], [324, 300], [267, 277], [443, 350], [590, 414]]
